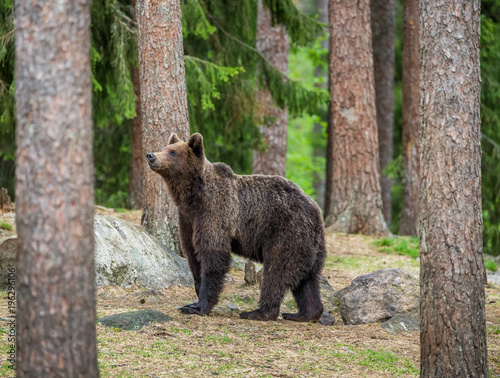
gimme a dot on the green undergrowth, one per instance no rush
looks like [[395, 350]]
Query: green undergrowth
[[401, 245], [6, 226], [490, 265]]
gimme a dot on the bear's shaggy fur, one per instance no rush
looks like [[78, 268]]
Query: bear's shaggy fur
[[267, 219]]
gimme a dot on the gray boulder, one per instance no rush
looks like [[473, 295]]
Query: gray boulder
[[126, 254], [378, 296], [402, 323], [8, 250], [134, 320]]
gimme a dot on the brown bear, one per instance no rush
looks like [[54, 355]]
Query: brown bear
[[267, 219]]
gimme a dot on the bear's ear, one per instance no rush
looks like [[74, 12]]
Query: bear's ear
[[196, 144], [173, 139]]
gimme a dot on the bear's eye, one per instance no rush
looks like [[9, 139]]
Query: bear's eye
[[171, 153]]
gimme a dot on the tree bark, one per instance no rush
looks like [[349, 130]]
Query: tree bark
[[356, 202], [453, 330], [273, 43], [411, 119], [136, 170], [383, 42], [163, 105], [55, 193]]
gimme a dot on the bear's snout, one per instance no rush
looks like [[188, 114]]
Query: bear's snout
[[150, 157]]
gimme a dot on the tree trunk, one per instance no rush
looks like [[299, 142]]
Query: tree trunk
[[453, 330], [55, 193], [273, 43], [383, 42], [136, 170], [411, 119], [356, 202], [163, 104]]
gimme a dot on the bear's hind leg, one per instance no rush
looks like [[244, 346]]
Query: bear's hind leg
[[271, 295], [308, 300]]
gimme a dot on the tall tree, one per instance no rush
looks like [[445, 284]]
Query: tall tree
[[411, 119], [356, 202], [383, 41], [136, 170], [55, 194], [452, 313], [273, 43], [163, 105]]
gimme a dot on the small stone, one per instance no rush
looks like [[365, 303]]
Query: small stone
[[327, 319], [232, 306], [250, 275]]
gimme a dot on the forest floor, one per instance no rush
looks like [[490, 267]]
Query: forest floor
[[222, 344]]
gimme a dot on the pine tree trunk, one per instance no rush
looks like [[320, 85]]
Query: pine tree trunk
[[356, 202], [453, 330], [163, 104], [273, 43], [136, 170], [383, 42], [411, 119], [55, 193]]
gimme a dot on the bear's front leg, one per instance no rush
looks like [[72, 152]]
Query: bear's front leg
[[214, 266], [186, 239]]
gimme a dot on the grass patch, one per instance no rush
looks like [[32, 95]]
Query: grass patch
[[403, 246], [495, 330], [219, 339], [366, 264], [382, 360], [490, 265], [6, 226]]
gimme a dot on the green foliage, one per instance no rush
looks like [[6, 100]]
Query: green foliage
[[303, 139], [403, 246], [7, 119], [490, 265], [224, 70], [302, 29], [113, 55], [490, 124]]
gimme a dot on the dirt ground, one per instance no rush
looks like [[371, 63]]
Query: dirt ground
[[223, 345]]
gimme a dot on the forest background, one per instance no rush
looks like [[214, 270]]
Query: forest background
[[223, 71]]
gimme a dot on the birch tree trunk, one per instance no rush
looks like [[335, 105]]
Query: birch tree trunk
[[55, 191], [163, 105], [452, 313], [273, 43], [356, 202]]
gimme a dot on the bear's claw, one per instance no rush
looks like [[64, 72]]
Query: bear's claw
[[192, 308], [259, 315]]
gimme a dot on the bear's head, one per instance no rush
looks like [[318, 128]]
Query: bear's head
[[179, 160]]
